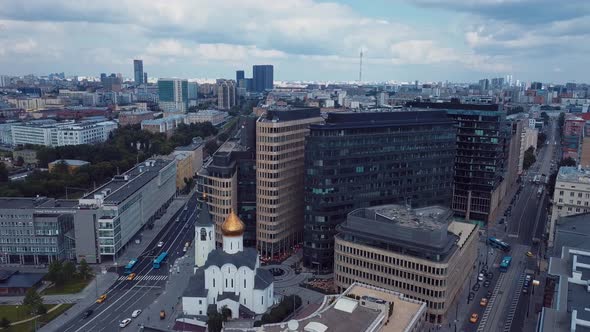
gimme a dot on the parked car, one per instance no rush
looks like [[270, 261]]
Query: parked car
[[136, 313], [125, 322], [475, 287], [487, 283], [474, 318], [480, 277], [489, 294], [483, 302], [471, 296]]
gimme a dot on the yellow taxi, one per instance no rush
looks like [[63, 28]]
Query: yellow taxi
[[131, 276], [529, 254], [101, 298], [483, 302], [474, 318]]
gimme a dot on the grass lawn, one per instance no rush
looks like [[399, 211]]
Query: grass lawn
[[30, 326], [71, 287]]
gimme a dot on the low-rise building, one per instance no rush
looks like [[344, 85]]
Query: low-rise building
[[134, 117], [570, 305], [165, 125], [571, 195], [412, 251], [213, 116], [125, 204], [71, 164], [29, 156], [360, 308], [195, 152]]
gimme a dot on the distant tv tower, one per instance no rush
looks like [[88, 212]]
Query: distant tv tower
[[361, 67]]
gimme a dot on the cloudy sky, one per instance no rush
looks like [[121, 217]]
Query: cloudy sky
[[403, 40]]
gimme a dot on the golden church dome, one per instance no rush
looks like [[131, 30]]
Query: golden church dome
[[232, 226]]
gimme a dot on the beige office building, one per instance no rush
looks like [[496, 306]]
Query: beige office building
[[571, 195], [280, 142], [412, 251]]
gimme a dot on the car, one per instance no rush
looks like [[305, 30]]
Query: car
[[87, 313], [487, 283], [483, 302], [131, 276], [489, 294], [184, 249], [162, 314], [125, 322], [474, 318], [160, 244], [475, 287], [483, 270], [525, 289], [490, 275], [136, 313], [501, 221], [101, 298], [529, 254], [480, 277]]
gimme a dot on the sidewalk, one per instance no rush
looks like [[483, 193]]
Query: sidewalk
[[83, 300], [171, 299], [35, 317], [147, 235]]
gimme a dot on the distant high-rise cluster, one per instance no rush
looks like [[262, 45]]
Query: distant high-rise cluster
[[262, 79], [226, 94], [173, 94]]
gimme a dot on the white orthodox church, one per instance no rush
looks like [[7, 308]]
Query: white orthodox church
[[229, 276]]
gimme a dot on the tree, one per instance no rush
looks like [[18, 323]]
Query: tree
[[226, 313], [545, 117], [32, 300], [211, 147], [4, 323], [3, 173], [55, 273], [20, 161], [68, 271], [561, 120], [541, 138], [568, 162], [84, 270], [529, 158], [214, 321]]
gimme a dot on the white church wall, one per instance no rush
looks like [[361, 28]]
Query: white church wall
[[194, 306]]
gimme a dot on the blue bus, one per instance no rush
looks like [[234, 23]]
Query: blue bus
[[130, 265], [499, 244], [505, 264], [160, 259]]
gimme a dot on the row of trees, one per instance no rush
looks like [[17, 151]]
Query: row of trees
[[62, 273], [529, 158]]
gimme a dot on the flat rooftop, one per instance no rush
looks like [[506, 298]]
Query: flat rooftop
[[125, 185], [428, 218], [573, 174], [35, 203], [70, 162], [346, 314]]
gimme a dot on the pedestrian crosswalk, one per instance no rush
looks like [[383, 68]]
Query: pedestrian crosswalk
[[145, 278]]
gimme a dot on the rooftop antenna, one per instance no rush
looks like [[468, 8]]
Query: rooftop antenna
[[361, 67]]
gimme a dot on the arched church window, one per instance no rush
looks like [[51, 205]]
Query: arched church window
[[203, 234]]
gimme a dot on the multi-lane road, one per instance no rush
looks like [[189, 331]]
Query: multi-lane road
[[125, 296], [523, 229]]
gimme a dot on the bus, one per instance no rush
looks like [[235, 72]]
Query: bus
[[159, 260], [130, 265], [496, 243], [505, 264]]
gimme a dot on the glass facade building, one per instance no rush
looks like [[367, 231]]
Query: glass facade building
[[483, 141], [359, 160], [262, 77], [138, 71]]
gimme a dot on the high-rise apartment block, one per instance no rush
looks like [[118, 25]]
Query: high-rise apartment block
[[358, 160], [226, 94], [138, 71], [280, 144], [173, 94], [571, 195], [417, 252], [262, 77], [482, 157]]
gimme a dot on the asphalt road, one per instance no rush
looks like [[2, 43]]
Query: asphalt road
[[124, 296]]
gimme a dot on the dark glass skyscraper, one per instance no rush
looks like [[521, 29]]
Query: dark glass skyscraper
[[482, 157], [138, 71], [262, 77], [239, 76], [358, 160]]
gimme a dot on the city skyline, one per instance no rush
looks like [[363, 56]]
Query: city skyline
[[401, 40]]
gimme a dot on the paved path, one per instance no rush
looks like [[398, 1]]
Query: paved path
[[33, 318]]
